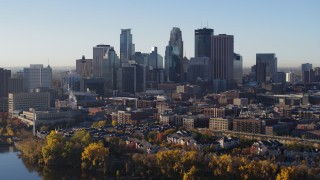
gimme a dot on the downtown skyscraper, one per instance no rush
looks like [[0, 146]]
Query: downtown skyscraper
[[126, 47], [105, 65], [174, 57], [266, 67], [37, 76], [223, 56], [4, 77], [202, 40]]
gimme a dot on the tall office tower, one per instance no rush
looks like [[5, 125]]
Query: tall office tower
[[154, 59], [176, 40], [316, 74], [15, 85], [174, 57], [140, 77], [198, 70], [317, 71], [105, 65], [266, 67], [308, 76], [202, 41], [126, 46], [305, 67], [237, 69], [84, 67], [141, 58], [222, 56], [290, 77], [280, 78], [37, 76], [71, 80], [173, 66], [4, 76], [127, 78]]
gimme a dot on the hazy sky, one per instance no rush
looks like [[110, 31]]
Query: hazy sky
[[61, 31]]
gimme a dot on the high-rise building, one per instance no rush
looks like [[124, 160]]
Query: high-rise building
[[290, 77], [154, 59], [198, 69], [141, 58], [105, 65], [155, 72], [84, 67], [305, 67], [202, 39], [266, 67], [280, 78], [126, 46], [174, 57], [15, 85], [127, 78], [222, 56], [237, 69], [173, 66], [37, 76], [176, 40], [4, 76], [140, 77], [71, 80], [308, 76]]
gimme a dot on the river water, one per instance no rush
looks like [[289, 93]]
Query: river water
[[12, 167]]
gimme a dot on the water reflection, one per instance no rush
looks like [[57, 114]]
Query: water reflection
[[13, 166]]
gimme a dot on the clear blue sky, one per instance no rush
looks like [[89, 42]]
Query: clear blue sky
[[33, 31]]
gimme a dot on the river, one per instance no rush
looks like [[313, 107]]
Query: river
[[12, 167]]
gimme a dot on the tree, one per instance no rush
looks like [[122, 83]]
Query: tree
[[160, 137], [191, 174], [93, 156], [286, 173], [169, 131], [82, 137], [152, 136], [114, 122], [54, 150], [169, 162], [99, 124]]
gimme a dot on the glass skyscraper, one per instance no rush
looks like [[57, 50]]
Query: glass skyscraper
[[266, 67], [126, 46], [174, 57], [202, 39]]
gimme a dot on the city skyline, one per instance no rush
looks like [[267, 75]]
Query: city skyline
[[58, 33]]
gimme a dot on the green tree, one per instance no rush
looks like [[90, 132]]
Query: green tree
[[82, 137]]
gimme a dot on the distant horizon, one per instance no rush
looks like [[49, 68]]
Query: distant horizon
[[60, 32]]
